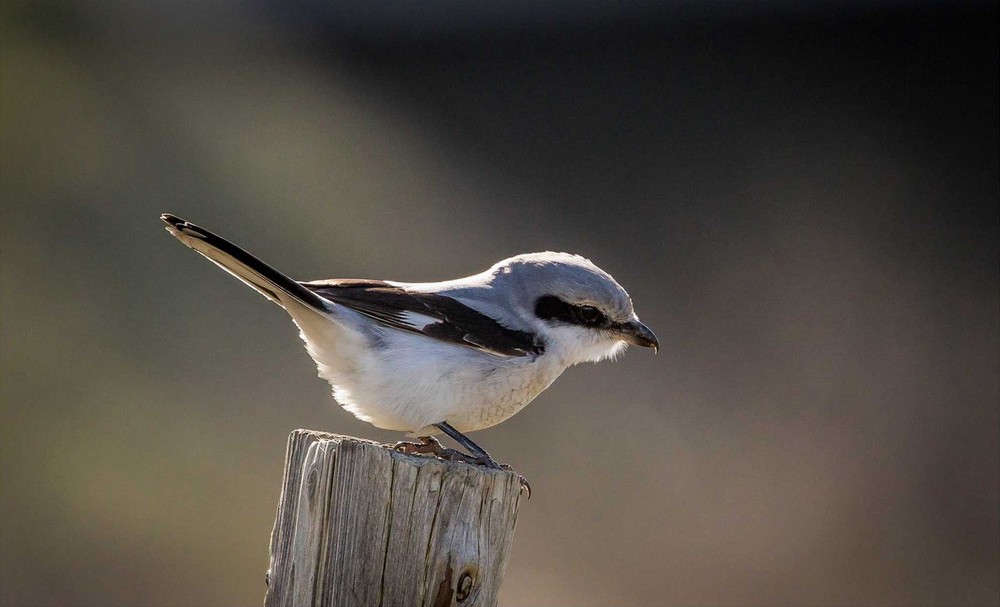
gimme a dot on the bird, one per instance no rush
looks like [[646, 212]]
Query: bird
[[454, 356]]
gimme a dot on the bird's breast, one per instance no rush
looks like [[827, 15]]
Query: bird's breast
[[501, 392]]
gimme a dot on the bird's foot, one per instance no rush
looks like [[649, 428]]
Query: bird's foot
[[429, 445]]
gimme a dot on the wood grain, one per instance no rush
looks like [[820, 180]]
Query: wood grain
[[361, 525]]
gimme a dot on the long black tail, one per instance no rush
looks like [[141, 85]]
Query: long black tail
[[263, 278]]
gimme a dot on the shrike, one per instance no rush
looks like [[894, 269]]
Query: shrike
[[453, 356]]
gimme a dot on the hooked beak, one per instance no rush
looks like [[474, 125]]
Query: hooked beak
[[634, 332]]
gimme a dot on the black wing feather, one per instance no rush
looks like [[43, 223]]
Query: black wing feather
[[456, 323]]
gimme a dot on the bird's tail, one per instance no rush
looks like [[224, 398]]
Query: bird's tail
[[264, 279]]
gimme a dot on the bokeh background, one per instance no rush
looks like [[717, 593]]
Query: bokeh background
[[802, 199]]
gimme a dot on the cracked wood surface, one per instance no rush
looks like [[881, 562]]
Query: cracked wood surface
[[360, 524]]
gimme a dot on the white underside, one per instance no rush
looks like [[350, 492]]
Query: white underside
[[407, 382]]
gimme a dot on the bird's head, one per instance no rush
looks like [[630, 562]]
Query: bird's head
[[580, 311]]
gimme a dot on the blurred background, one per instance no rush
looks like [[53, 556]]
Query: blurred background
[[802, 199]]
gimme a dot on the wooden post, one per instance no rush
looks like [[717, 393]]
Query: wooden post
[[362, 525]]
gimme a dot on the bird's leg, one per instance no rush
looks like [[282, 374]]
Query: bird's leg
[[478, 456]]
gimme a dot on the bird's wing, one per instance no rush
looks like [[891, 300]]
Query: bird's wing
[[430, 314]]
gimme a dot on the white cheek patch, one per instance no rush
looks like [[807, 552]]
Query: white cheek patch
[[578, 345]]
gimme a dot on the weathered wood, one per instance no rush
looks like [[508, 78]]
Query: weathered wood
[[359, 524]]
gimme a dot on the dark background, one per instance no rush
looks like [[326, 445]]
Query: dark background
[[802, 200]]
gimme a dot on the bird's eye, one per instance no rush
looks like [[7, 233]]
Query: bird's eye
[[589, 315], [550, 307]]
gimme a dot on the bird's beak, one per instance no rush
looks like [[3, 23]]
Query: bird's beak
[[634, 332]]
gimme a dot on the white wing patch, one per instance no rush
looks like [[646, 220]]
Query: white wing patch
[[417, 320]]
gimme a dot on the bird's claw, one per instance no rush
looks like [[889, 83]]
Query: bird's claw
[[525, 486]]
